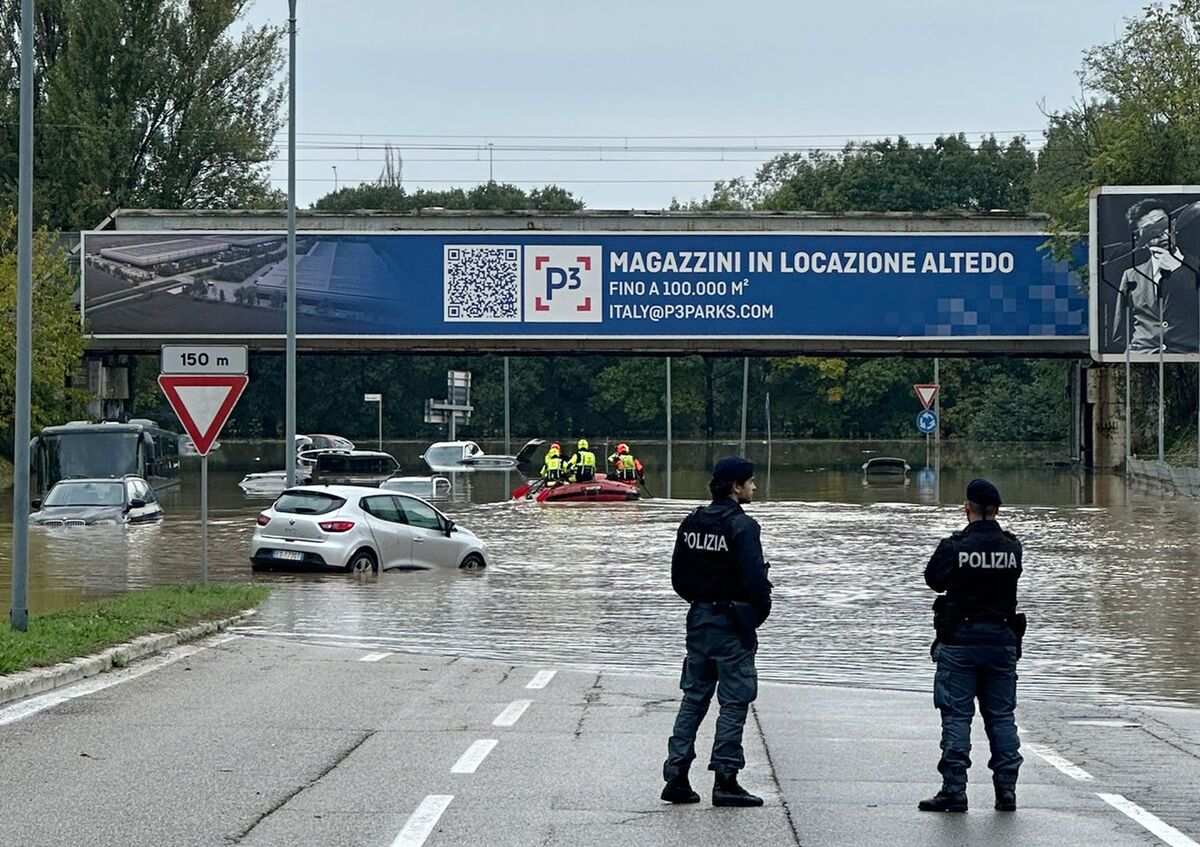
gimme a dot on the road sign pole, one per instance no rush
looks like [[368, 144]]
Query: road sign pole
[[745, 400], [668, 427], [937, 434], [380, 423], [204, 519]]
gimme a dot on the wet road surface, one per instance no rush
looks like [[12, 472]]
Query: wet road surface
[[1110, 580]]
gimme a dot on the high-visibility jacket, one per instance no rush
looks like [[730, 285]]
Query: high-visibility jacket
[[625, 466], [552, 468], [582, 465]]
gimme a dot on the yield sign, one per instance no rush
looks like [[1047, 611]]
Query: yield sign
[[202, 403], [926, 393]]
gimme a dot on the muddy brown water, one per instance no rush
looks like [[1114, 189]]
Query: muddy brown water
[[1112, 574]]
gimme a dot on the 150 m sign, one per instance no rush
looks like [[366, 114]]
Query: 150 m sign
[[204, 359]]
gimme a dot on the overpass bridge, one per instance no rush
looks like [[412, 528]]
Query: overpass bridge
[[732, 283]]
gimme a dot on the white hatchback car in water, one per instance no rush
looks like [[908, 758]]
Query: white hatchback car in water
[[359, 530]]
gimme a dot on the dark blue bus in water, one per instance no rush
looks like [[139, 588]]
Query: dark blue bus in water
[[109, 449]]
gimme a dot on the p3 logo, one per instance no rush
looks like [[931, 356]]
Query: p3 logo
[[563, 284]]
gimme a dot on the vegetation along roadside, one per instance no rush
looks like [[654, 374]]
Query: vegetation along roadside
[[83, 630]]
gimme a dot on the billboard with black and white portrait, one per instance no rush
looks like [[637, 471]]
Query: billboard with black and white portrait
[[1145, 259]]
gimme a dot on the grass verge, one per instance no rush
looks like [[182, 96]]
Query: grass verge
[[67, 634]]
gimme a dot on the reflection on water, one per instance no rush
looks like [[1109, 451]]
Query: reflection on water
[[1111, 575]]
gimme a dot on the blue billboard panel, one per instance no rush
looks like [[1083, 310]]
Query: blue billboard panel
[[581, 285]]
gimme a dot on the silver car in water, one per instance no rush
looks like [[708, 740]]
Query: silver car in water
[[359, 530]]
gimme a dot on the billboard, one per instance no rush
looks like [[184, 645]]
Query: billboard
[[576, 286], [1145, 253]]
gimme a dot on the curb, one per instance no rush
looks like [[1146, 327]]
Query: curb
[[27, 683]]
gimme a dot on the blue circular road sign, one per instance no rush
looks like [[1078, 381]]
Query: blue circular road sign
[[927, 421]]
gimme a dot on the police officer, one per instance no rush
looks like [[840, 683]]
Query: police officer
[[978, 643], [718, 567]]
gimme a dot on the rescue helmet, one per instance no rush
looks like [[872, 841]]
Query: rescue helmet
[[555, 448], [582, 445], [622, 448]]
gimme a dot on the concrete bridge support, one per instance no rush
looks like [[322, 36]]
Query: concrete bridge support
[[1106, 399]]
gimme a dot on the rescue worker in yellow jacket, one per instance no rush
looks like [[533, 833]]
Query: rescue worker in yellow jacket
[[552, 466], [582, 464], [625, 467]]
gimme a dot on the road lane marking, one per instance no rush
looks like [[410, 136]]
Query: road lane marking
[[473, 758], [512, 713], [1069, 768], [374, 657], [108, 679], [422, 821], [541, 679], [1165, 832]]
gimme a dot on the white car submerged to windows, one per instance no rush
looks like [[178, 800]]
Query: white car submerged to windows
[[359, 530]]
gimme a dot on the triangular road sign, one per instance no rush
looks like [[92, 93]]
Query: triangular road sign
[[926, 393], [202, 403]]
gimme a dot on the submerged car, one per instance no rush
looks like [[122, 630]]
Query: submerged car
[[98, 502], [359, 530]]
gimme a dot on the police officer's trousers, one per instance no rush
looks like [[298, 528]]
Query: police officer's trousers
[[718, 659], [966, 671]]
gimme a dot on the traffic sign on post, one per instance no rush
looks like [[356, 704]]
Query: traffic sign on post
[[927, 421], [202, 402], [204, 359], [926, 393]]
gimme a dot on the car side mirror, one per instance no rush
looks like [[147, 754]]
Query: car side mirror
[[36, 504], [450, 527], [137, 504]]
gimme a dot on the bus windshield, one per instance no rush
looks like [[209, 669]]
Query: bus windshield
[[90, 454]]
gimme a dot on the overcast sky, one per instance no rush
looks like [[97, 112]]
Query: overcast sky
[[700, 90]]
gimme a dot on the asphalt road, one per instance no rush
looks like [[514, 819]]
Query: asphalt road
[[260, 741]]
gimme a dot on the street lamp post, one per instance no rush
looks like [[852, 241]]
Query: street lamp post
[[335, 187], [290, 353], [19, 613]]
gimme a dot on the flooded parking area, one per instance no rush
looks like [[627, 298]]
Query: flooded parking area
[[1110, 584]]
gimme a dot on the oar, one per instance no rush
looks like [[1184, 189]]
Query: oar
[[642, 480], [523, 490], [528, 488]]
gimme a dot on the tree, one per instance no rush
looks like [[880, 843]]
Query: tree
[[151, 103], [888, 176], [1137, 122], [56, 334], [488, 196]]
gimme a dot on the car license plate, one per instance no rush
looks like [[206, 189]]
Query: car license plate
[[294, 555]]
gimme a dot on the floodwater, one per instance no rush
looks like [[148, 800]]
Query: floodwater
[[1112, 575]]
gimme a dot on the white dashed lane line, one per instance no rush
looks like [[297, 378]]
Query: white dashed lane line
[[1069, 768], [541, 679], [1162, 830], [512, 713], [374, 657], [423, 820], [473, 758], [1165, 832]]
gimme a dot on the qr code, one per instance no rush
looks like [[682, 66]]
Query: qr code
[[482, 283]]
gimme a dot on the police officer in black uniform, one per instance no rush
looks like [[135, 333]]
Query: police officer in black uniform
[[978, 643], [718, 567]]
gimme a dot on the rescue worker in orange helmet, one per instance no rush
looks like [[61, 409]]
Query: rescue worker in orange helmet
[[625, 467]]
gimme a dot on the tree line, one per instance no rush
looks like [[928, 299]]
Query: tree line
[[155, 103]]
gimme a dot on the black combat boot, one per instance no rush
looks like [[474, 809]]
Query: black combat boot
[[727, 792], [946, 800], [679, 790], [1006, 798]]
